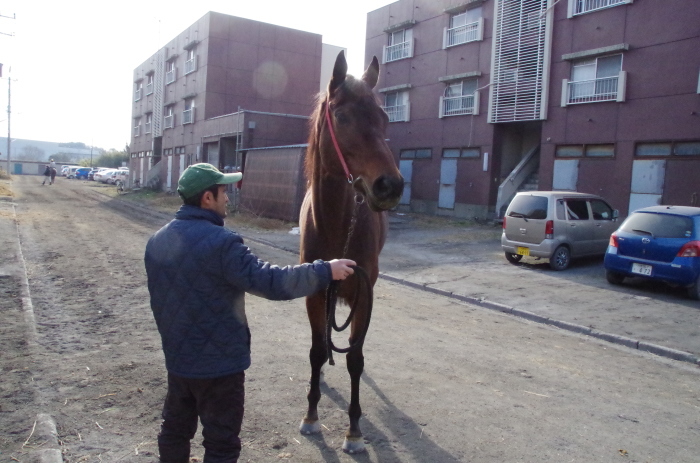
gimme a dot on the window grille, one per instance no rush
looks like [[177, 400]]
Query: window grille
[[521, 58]]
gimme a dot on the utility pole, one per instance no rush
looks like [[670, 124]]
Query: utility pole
[[9, 140]]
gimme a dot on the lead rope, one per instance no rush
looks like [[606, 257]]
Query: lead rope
[[332, 297]]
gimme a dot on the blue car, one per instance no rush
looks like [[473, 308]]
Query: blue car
[[82, 173], [660, 243]]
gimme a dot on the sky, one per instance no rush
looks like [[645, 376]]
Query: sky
[[71, 62]]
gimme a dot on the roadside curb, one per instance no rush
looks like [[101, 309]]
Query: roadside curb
[[47, 437], [655, 349]]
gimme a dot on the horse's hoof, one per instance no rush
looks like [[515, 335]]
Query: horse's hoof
[[354, 445], [309, 427]]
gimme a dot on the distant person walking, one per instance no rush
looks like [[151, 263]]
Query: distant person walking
[[53, 175], [47, 175]]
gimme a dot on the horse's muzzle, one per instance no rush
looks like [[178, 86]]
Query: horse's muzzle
[[385, 193]]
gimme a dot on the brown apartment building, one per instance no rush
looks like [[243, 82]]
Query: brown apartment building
[[223, 86], [489, 97]]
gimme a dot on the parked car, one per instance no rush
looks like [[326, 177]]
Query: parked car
[[103, 175], [82, 173], [72, 170], [119, 175], [65, 169], [557, 225], [659, 243]]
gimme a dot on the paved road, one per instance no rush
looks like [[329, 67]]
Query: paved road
[[469, 262]]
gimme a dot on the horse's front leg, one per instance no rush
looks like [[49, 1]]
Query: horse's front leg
[[354, 442], [317, 356]]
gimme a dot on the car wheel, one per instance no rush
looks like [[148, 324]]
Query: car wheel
[[614, 278], [694, 290], [561, 258], [513, 258]]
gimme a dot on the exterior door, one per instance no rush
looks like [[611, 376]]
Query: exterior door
[[448, 179], [647, 183], [170, 172], [406, 169], [565, 174]]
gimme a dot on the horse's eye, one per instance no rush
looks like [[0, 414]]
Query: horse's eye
[[341, 117]]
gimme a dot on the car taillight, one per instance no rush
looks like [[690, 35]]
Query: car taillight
[[549, 230], [690, 249], [504, 222], [613, 241]]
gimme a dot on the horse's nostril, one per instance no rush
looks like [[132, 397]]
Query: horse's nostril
[[387, 187]]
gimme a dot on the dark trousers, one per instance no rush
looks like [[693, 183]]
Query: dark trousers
[[218, 402]]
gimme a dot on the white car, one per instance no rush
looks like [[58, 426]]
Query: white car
[[104, 176]]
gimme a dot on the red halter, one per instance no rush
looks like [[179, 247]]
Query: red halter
[[335, 142]]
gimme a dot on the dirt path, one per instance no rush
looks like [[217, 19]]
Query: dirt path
[[444, 381]]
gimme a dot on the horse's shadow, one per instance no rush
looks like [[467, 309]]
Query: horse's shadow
[[396, 421]]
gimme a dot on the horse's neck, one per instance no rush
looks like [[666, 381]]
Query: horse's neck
[[333, 203]]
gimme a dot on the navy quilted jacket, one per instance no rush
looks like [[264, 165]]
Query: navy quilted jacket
[[198, 273]]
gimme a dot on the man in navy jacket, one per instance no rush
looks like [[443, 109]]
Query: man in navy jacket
[[198, 274]]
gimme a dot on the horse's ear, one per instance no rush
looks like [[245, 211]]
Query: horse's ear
[[371, 74], [340, 71]]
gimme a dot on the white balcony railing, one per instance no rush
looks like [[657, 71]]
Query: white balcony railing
[[149, 88], [169, 121], [137, 94], [585, 6], [137, 130], [170, 76], [399, 51], [188, 116], [398, 113], [191, 65], [463, 34], [595, 90], [148, 127], [459, 105]]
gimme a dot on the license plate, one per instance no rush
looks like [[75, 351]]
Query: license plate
[[523, 251], [641, 269]]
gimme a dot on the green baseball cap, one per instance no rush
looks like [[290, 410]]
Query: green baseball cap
[[198, 177]]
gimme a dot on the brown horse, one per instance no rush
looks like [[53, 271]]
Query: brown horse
[[351, 173]]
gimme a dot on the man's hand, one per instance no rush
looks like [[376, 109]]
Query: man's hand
[[340, 268]]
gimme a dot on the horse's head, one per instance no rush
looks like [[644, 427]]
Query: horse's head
[[359, 125]]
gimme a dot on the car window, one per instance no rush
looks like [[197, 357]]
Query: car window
[[529, 207], [577, 209], [659, 225]]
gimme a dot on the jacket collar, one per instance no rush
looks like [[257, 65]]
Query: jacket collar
[[187, 212]]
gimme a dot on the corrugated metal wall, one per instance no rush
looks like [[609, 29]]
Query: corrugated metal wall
[[274, 183]]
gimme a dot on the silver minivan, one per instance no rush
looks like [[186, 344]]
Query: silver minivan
[[557, 225]]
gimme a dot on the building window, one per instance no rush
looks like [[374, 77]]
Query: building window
[[179, 150], [461, 153], [685, 148], [137, 126], [168, 152], [169, 117], [597, 79], [460, 98], [149, 120], [464, 27], [191, 63], [590, 151], [396, 106], [188, 113], [170, 72], [421, 153], [586, 6], [149, 84], [138, 86], [400, 45]]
